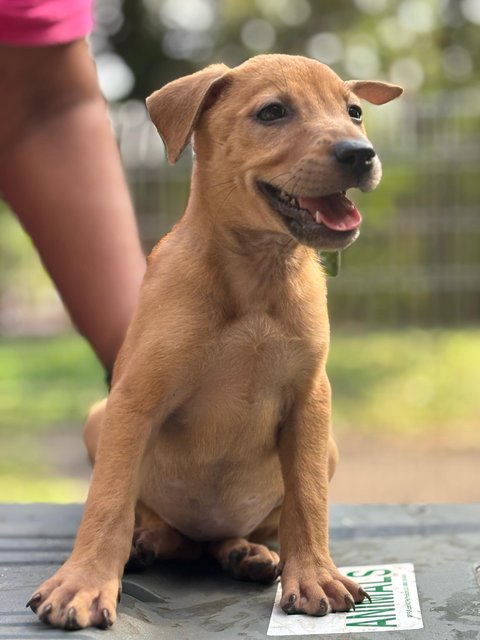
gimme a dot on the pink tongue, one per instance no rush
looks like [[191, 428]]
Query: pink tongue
[[336, 211]]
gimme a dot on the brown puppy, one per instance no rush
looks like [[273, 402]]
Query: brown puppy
[[218, 424]]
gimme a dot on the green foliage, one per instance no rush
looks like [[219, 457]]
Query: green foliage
[[31, 488], [421, 383], [14, 246], [46, 383], [26, 476], [24, 284], [159, 43]]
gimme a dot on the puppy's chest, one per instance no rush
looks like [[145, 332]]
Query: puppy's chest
[[257, 360], [225, 435]]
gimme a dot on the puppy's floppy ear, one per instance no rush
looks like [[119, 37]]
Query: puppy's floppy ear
[[176, 107], [374, 91]]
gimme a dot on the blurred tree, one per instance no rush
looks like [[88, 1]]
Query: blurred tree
[[423, 43]]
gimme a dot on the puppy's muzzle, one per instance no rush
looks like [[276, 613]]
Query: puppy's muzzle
[[356, 156]]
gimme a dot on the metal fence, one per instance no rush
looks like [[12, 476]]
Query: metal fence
[[417, 261]]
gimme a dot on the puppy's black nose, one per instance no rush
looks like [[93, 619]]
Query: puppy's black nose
[[355, 154]]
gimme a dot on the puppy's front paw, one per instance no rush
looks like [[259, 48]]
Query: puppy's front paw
[[75, 598], [317, 590]]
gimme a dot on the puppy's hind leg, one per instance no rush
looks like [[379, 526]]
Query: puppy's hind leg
[[333, 457], [154, 539], [93, 425]]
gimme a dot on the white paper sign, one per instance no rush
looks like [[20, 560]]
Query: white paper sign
[[394, 605]]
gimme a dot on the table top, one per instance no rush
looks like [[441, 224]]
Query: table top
[[196, 601]]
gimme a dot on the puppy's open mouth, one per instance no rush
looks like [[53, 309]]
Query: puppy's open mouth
[[329, 222]]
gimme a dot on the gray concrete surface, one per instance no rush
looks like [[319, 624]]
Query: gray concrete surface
[[197, 602]]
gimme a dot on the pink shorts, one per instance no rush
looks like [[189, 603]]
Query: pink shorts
[[44, 22]]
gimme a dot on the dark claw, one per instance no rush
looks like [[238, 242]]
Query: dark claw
[[72, 623], [263, 571], [322, 608], [106, 621], [34, 602], [146, 556], [45, 613], [140, 558], [290, 606], [365, 595], [350, 602], [237, 555]]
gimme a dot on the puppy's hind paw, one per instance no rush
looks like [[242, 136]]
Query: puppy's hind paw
[[244, 560], [161, 543], [142, 554]]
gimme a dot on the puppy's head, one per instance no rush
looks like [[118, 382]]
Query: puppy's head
[[278, 141]]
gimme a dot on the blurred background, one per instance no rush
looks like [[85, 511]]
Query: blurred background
[[405, 351]]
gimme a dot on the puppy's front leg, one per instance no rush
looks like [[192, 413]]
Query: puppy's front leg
[[85, 589], [311, 583]]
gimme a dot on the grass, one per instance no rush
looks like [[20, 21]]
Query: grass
[[31, 488], [410, 383], [46, 383], [406, 383]]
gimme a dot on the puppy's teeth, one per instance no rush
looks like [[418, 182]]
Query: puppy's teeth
[[348, 203], [318, 218]]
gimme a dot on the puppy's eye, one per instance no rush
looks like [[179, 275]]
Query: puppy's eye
[[273, 111], [355, 112]]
